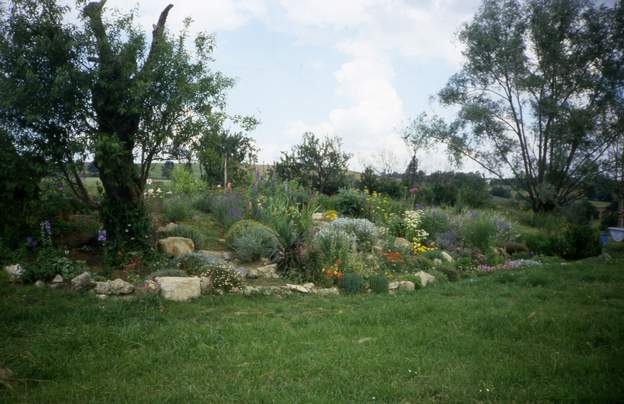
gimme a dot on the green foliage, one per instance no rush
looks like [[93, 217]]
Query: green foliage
[[183, 181], [227, 208], [501, 191], [378, 284], [480, 233], [333, 245], [583, 242], [167, 169], [435, 222], [319, 164], [505, 117], [177, 209], [92, 86], [50, 263], [421, 263], [352, 283], [251, 240], [351, 202], [219, 147], [182, 230]]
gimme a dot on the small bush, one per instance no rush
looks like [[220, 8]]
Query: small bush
[[435, 222], [364, 231], [228, 208], [50, 263], [352, 283], [243, 227], [223, 278], [188, 232], [177, 209], [378, 284], [184, 182], [449, 270], [351, 202], [259, 242], [515, 248], [583, 241], [202, 202], [421, 263], [332, 244], [479, 232]]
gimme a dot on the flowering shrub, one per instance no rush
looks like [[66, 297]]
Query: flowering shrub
[[333, 245], [222, 278], [364, 231], [333, 272], [420, 248], [413, 222], [330, 215]]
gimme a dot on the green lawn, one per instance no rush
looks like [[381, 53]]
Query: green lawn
[[552, 334]]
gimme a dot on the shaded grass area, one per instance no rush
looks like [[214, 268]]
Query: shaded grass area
[[533, 335]]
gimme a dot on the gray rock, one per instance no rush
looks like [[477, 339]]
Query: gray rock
[[15, 272], [82, 281], [308, 285], [328, 291], [425, 278], [40, 283], [121, 287], [437, 261], [446, 256], [58, 279], [407, 286], [176, 246], [400, 242], [243, 272], [116, 287], [393, 286], [179, 289], [296, 288], [267, 271], [205, 284]]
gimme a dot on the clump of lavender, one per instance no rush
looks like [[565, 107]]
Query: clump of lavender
[[46, 233]]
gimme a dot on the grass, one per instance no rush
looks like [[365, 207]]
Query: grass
[[552, 334]]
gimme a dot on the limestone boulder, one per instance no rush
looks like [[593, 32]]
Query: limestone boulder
[[179, 289], [176, 246], [425, 278], [82, 281], [15, 272]]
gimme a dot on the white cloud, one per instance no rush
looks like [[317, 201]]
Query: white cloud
[[369, 33]]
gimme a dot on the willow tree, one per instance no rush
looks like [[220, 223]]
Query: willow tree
[[536, 95], [99, 88]]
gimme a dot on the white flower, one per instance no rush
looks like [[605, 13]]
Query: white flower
[[149, 181]]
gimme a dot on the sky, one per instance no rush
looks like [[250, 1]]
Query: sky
[[357, 69]]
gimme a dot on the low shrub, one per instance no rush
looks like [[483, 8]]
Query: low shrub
[[177, 209], [351, 202], [479, 232], [50, 263], [421, 263], [259, 242], [414, 279], [449, 270], [221, 274], [182, 230], [228, 208], [378, 284], [364, 231], [435, 222], [222, 278], [515, 248], [352, 283], [583, 241], [202, 202], [332, 245]]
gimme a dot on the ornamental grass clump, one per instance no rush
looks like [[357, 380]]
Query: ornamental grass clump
[[352, 283], [378, 284]]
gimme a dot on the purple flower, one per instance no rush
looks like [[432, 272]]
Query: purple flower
[[413, 190], [102, 235], [31, 242]]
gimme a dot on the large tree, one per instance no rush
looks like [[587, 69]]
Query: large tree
[[96, 88], [536, 96], [316, 163]]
